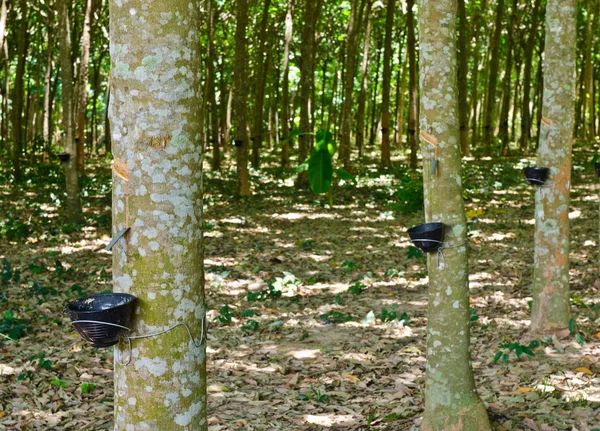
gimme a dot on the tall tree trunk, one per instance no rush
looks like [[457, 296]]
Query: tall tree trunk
[[73, 202], [158, 176], [18, 90], [551, 308], [211, 79], [475, 74], [451, 400], [46, 119], [504, 125], [261, 66], [401, 106], [489, 125], [362, 97], [528, 64], [387, 80], [463, 70], [3, 14], [354, 24], [240, 98], [374, 118], [306, 82], [539, 97], [285, 102], [588, 75], [82, 82], [413, 108]]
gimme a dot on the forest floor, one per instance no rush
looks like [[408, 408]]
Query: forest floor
[[317, 314]]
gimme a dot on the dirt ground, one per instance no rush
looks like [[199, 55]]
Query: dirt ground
[[317, 314]]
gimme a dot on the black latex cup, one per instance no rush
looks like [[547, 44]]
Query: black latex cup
[[114, 308], [597, 168], [428, 237], [64, 157], [536, 176]]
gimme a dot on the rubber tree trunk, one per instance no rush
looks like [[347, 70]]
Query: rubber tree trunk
[[451, 400], [362, 97], [82, 83], [387, 80], [352, 32], [463, 70], [18, 99], [588, 76], [504, 125], [354, 24], [551, 302], [211, 58], [413, 108], [73, 202], [528, 64], [285, 96], [46, 119], [157, 193], [475, 69], [261, 66], [489, 124], [306, 83], [240, 99]]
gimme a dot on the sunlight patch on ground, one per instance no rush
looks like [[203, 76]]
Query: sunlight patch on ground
[[574, 214], [331, 420], [304, 354], [300, 216]]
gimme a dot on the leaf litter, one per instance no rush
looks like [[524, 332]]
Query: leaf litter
[[317, 314]]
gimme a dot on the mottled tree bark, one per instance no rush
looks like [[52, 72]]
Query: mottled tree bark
[[157, 192], [510, 38], [413, 108], [387, 79], [18, 89], [261, 65], [463, 70], [489, 125], [46, 120], [82, 83], [528, 64], [362, 96], [240, 98], [285, 97], [212, 80], [354, 24], [73, 202], [551, 303], [475, 70], [306, 82], [451, 400]]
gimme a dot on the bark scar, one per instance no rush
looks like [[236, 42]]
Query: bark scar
[[429, 138], [160, 142]]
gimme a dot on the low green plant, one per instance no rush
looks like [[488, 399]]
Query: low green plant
[[357, 288], [348, 266], [503, 355], [87, 387], [250, 326], [575, 332], [12, 326], [42, 361], [224, 316], [58, 382], [263, 295], [315, 395], [392, 314], [336, 317]]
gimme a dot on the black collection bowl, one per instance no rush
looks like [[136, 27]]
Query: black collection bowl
[[536, 176], [97, 311], [597, 168], [64, 157], [428, 237]]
